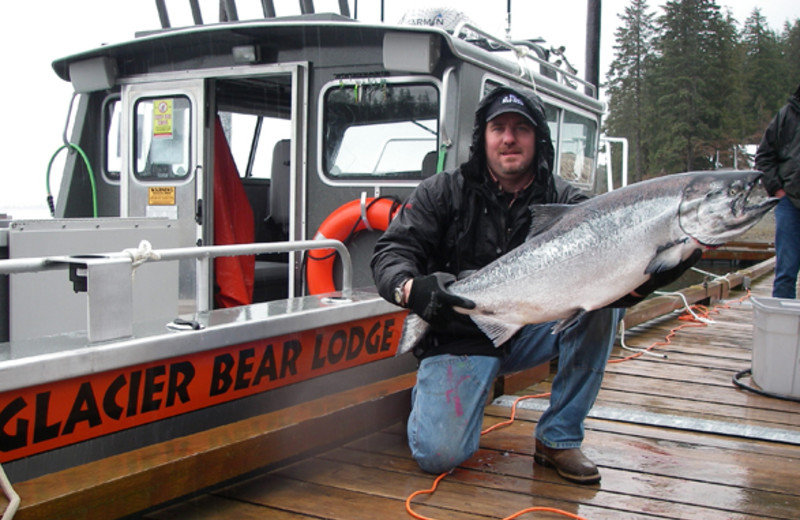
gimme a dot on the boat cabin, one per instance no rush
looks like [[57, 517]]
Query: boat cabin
[[177, 286]]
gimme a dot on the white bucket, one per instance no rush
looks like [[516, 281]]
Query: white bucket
[[776, 345]]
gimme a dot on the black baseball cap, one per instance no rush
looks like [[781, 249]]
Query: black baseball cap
[[509, 102]]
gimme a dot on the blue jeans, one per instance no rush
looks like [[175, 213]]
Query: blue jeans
[[444, 427], [787, 249]]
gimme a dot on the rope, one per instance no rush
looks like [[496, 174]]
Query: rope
[[695, 316], [141, 254], [13, 497], [632, 349]]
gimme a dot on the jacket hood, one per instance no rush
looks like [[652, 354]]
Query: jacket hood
[[475, 167], [794, 102]]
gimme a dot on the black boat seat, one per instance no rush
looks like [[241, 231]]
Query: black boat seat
[[272, 271]]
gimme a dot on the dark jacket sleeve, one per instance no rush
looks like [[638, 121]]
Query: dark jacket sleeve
[[566, 193], [410, 242], [767, 156]]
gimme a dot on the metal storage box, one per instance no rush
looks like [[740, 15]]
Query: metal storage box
[[776, 345]]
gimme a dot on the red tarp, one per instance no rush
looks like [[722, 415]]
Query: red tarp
[[233, 224]]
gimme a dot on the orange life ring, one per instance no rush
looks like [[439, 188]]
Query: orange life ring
[[344, 221]]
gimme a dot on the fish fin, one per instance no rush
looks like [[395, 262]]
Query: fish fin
[[667, 256], [543, 216], [497, 331], [465, 273], [567, 322], [414, 328]]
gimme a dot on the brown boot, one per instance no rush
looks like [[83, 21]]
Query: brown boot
[[571, 464]]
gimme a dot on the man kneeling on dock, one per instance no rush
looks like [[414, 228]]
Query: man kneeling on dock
[[462, 220]]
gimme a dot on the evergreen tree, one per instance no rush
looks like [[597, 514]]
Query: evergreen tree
[[687, 113], [688, 89], [764, 71], [626, 82], [791, 44], [725, 92]]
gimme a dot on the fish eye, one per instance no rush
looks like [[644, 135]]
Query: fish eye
[[735, 188]]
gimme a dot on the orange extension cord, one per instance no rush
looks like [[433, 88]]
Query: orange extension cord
[[484, 432], [700, 311]]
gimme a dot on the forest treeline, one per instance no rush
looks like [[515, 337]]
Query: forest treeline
[[690, 85]]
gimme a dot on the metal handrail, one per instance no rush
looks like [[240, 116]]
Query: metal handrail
[[38, 264], [521, 51]]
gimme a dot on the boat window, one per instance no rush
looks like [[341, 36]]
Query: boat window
[[379, 129], [551, 114], [163, 137], [252, 139], [112, 115], [577, 149]]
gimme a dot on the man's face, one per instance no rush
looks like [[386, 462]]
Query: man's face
[[510, 146]]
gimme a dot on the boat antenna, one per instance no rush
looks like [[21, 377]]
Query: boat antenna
[[508, 20], [593, 16]]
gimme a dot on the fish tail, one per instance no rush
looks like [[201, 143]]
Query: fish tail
[[414, 328]]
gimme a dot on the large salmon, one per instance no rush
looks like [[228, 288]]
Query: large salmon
[[585, 256]]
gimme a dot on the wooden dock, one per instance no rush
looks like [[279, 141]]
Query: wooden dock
[[674, 438]]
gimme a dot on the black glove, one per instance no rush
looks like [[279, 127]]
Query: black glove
[[430, 299], [658, 280]]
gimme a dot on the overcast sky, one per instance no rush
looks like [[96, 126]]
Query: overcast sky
[[33, 33]]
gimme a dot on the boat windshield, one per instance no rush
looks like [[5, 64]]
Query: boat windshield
[[379, 129]]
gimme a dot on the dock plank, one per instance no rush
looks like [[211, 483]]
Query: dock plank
[[664, 470], [291, 489], [488, 494], [697, 497], [214, 507]]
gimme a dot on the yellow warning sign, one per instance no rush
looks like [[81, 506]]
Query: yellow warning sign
[[161, 196], [162, 119]]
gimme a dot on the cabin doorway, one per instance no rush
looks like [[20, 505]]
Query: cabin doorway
[[220, 156]]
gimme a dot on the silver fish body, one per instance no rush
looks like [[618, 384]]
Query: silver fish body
[[585, 256]]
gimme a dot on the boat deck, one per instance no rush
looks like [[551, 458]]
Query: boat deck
[[674, 438]]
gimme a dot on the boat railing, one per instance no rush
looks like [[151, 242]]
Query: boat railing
[[107, 278], [523, 52], [229, 12]]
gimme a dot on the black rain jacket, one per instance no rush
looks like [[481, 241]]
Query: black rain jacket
[[459, 220], [778, 155]]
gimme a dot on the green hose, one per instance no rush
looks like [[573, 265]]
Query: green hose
[[91, 178], [442, 155]]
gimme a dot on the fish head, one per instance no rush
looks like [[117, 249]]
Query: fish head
[[718, 206]]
